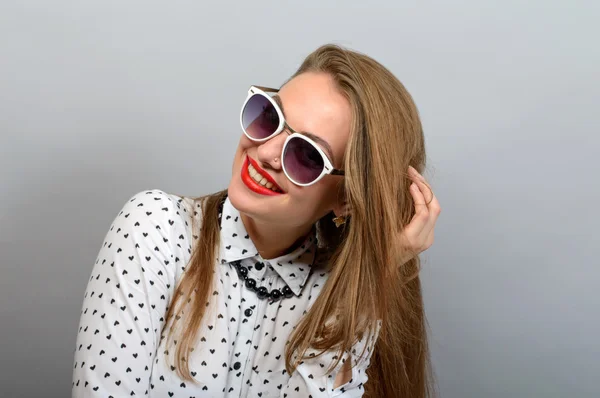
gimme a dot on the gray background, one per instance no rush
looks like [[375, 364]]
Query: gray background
[[99, 100]]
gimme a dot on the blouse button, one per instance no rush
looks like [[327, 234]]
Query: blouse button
[[237, 365], [248, 312]]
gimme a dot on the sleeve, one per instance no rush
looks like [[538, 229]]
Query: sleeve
[[311, 379], [127, 296]]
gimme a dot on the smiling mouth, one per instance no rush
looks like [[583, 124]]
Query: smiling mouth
[[257, 180]]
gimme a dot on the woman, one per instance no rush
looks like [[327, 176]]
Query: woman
[[299, 280]]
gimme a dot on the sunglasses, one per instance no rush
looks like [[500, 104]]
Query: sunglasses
[[302, 159]]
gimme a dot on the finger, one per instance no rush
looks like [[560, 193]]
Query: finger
[[433, 207], [420, 218], [422, 183], [427, 234], [422, 225], [420, 230], [425, 189], [414, 173]]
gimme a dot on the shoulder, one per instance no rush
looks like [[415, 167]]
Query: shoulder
[[154, 230], [159, 219], [161, 208], [157, 199]]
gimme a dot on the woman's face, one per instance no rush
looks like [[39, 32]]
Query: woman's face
[[311, 103]]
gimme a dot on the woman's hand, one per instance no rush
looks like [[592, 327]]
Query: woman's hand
[[418, 234]]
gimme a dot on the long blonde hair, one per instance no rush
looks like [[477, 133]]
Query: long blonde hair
[[367, 282]]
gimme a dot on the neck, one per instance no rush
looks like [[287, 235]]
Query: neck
[[273, 241]]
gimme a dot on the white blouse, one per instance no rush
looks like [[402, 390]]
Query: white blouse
[[240, 349]]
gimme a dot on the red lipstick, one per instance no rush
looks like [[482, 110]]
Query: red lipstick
[[253, 185]]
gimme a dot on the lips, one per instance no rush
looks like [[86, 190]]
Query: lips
[[253, 185]]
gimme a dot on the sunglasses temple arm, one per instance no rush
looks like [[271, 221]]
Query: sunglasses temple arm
[[267, 89]]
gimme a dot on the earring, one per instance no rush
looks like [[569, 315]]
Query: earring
[[339, 221]]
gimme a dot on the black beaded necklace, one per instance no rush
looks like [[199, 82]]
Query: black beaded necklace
[[262, 292]]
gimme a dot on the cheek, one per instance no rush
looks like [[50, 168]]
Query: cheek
[[243, 146], [319, 198], [245, 143]]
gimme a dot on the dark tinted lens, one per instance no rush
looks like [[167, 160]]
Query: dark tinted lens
[[302, 161], [259, 117]]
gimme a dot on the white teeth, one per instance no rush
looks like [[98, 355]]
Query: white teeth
[[256, 176]]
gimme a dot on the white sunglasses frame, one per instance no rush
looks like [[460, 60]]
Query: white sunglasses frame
[[327, 165]]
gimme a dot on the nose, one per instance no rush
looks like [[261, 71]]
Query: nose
[[269, 152]]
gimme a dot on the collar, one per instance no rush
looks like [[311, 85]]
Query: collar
[[235, 244]]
